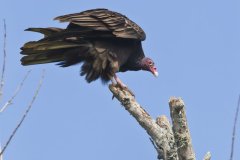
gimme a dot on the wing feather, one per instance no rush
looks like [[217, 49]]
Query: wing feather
[[106, 20]]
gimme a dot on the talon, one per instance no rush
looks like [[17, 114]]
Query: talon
[[124, 87], [121, 85]]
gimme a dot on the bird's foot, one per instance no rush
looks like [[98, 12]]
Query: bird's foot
[[120, 85], [124, 87]]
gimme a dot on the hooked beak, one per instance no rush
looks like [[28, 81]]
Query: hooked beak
[[154, 71]]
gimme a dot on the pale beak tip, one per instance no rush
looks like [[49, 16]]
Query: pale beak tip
[[155, 74]]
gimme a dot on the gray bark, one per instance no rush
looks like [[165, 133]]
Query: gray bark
[[159, 133], [171, 142], [181, 130], [171, 148]]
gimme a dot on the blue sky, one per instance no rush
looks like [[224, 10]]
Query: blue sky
[[195, 45]]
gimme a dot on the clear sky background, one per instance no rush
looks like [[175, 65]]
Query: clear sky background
[[195, 45]]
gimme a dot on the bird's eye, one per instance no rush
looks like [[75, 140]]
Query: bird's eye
[[151, 64]]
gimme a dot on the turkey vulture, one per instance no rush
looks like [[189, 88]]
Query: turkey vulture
[[105, 42]]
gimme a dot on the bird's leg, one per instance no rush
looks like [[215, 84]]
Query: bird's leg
[[112, 80], [113, 83], [119, 82], [122, 85]]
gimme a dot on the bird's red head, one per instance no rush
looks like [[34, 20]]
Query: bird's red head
[[148, 65]]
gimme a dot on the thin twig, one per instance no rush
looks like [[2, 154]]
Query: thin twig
[[25, 114], [207, 156], [234, 129], [19, 87], [4, 58], [1, 157]]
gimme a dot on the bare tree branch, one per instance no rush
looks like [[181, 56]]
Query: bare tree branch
[[19, 87], [181, 130], [157, 134], [25, 114], [234, 129], [171, 151], [4, 58], [160, 151]]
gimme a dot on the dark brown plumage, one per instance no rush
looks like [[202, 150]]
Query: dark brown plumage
[[105, 42]]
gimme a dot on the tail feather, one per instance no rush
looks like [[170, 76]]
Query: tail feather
[[67, 48], [41, 58], [66, 57], [46, 31], [44, 46], [66, 51]]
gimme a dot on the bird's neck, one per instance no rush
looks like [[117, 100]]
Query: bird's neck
[[137, 65], [142, 65], [131, 66]]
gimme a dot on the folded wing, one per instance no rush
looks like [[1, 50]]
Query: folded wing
[[105, 20]]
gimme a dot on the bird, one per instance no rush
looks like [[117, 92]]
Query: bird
[[105, 42]]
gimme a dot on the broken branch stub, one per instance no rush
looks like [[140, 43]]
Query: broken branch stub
[[181, 130]]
